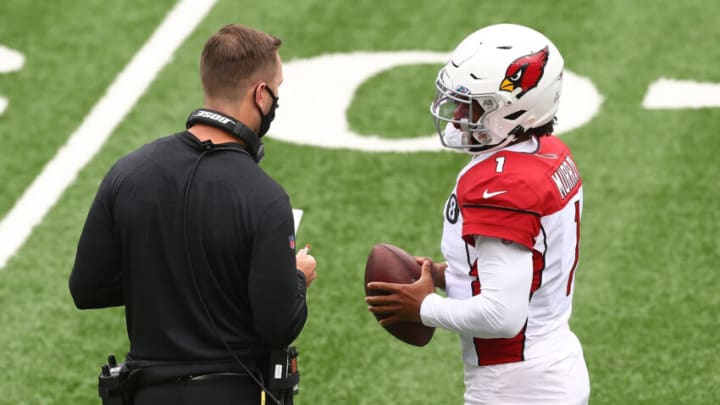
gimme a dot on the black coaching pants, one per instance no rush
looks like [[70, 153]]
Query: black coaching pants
[[212, 389]]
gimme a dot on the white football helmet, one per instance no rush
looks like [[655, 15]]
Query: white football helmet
[[500, 81]]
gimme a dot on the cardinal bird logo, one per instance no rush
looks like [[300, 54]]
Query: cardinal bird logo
[[525, 72]]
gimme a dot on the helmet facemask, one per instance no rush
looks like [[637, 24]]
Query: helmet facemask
[[461, 117]]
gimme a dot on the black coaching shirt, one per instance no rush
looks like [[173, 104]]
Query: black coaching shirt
[[240, 245]]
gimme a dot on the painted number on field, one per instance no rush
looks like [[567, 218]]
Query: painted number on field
[[678, 94], [10, 61]]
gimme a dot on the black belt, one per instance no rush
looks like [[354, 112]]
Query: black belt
[[234, 377], [146, 374]]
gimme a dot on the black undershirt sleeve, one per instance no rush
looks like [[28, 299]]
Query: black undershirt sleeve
[[96, 278], [275, 287]]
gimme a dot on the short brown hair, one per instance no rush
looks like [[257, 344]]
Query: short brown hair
[[233, 57]]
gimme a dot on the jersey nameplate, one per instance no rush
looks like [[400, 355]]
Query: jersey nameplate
[[566, 177]]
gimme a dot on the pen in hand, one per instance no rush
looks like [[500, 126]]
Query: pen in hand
[[306, 264]]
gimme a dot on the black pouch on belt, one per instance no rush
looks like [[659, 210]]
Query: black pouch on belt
[[114, 383], [283, 376]]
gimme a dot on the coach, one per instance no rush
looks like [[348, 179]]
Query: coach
[[197, 241]]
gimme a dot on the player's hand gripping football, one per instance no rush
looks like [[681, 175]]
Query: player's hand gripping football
[[401, 302], [436, 269]]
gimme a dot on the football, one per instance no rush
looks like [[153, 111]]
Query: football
[[391, 264]]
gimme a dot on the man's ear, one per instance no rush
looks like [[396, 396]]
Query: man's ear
[[258, 93]]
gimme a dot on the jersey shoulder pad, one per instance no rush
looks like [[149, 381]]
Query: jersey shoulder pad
[[538, 182], [499, 181]]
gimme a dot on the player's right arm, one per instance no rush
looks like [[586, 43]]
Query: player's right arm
[[500, 310], [500, 207]]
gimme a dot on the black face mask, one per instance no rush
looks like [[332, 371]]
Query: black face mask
[[265, 120]]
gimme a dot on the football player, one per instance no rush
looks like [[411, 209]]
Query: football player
[[512, 225]]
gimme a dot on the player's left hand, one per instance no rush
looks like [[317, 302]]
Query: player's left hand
[[436, 269], [401, 302]]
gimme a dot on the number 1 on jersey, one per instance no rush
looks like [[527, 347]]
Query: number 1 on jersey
[[499, 164]]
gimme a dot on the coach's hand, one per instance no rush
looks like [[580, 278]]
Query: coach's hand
[[307, 264]]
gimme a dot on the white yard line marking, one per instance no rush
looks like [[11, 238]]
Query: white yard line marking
[[99, 124]]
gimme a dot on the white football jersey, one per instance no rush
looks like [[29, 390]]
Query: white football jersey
[[531, 194]]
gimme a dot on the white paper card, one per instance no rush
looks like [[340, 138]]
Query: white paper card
[[297, 216]]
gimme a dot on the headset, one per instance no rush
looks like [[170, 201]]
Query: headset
[[216, 119]]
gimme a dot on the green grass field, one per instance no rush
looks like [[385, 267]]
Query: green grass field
[[646, 300]]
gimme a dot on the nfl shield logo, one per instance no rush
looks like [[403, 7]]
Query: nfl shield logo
[[291, 238]]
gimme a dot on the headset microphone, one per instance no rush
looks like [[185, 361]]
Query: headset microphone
[[216, 119]]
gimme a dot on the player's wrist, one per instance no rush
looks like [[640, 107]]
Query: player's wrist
[[427, 310], [438, 275]]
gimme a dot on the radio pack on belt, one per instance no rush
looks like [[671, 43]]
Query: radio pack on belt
[[113, 383], [283, 376]]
